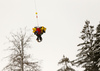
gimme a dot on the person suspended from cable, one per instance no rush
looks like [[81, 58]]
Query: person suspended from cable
[[38, 31]]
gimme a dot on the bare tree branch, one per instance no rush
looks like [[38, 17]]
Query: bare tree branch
[[19, 41]]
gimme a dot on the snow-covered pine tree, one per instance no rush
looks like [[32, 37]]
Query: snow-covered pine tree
[[96, 50], [65, 67], [86, 52]]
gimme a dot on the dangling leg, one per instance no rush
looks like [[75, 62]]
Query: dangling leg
[[37, 37], [40, 38]]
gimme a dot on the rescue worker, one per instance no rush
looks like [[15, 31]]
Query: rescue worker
[[38, 31]]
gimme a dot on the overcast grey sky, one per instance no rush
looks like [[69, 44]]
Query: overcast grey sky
[[64, 20]]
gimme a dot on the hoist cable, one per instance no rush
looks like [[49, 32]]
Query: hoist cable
[[36, 13]]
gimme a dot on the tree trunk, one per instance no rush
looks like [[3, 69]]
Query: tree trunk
[[22, 66]]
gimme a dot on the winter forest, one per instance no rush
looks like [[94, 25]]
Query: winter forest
[[49, 35], [88, 56]]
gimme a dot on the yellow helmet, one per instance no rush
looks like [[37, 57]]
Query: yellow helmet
[[34, 29], [44, 29]]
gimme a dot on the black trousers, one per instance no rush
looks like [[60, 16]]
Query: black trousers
[[39, 38]]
